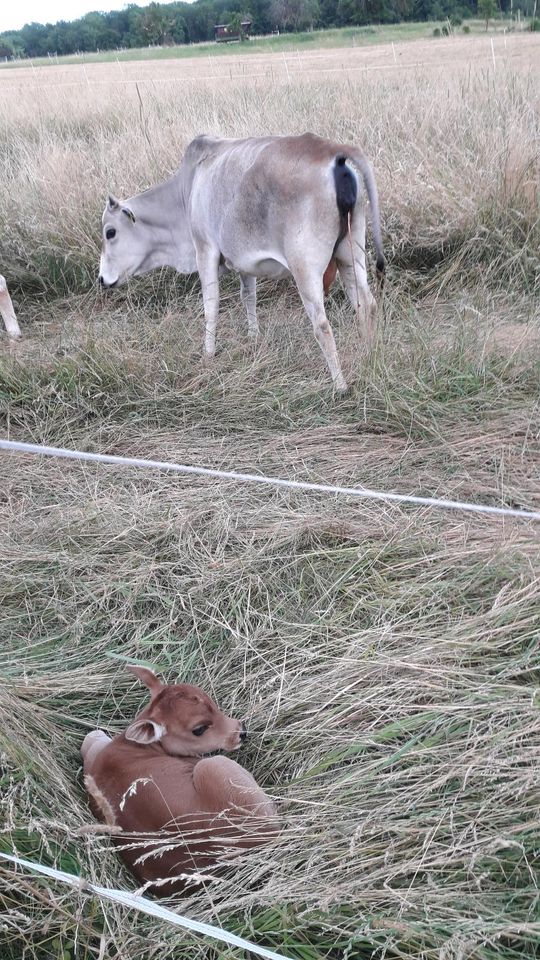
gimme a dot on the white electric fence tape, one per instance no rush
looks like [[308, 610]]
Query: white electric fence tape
[[144, 905], [363, 492]]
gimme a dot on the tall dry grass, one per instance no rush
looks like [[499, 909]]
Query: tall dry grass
[[386, 659], [456, 157]]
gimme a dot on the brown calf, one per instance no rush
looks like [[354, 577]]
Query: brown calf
[[175, 808]]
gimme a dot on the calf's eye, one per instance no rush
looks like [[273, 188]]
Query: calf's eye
[[110, 233], [198, 731]]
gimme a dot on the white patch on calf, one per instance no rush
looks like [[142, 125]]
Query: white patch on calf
[[103, 805]]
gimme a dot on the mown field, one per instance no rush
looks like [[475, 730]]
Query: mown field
[[386, 658], [343, 38]]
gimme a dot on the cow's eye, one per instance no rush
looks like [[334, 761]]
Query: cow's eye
[[110, 233], [198, 731]]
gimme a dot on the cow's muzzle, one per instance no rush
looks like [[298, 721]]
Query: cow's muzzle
[[103, 283]]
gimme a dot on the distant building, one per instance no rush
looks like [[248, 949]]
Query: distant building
[[223, 32]]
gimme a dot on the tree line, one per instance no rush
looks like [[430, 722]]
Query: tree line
[[172, 23]]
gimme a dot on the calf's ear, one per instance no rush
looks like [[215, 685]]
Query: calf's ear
[[147, 677], [114, 204], [145, 731]]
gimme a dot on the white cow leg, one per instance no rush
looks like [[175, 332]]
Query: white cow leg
[[354, 276], [312, 295], [7, 311], [361, 297], [248, 296], [208, 267]]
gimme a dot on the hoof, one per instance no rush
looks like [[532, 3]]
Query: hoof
[[12, 332], [341, 389]]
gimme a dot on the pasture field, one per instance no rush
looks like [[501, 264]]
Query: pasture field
[[386, 658], [342, 37]]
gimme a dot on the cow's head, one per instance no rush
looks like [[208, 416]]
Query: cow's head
[[183, 720], [124, 245]]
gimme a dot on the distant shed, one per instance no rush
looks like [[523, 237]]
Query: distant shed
[[224, 33]]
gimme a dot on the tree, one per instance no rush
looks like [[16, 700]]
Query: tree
[[13, 40], [197, 22], [295, 14], [486, 10], [261, 14], [349, 12], [157, 23], [179, 29], [193, 22], [34, 37]]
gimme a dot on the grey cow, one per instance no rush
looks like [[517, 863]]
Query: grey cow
[[264, 207]]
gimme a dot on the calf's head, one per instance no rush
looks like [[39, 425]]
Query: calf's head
[[183, 720], [124, 245]]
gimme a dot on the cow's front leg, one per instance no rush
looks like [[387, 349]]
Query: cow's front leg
[[208, 267], [223, 785], [248, 296]]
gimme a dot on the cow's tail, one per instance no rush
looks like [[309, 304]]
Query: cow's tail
[[346, 196]]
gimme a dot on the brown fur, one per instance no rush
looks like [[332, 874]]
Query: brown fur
[[153, 781], [329, 276]]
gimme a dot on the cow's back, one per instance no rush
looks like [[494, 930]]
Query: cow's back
[[251, 197], [136, 779]]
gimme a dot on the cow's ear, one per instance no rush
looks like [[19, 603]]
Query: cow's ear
[[129, 213], [147, 677], [145, 731], [114, 204]]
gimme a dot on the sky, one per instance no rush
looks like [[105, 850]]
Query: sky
[[13, 16]]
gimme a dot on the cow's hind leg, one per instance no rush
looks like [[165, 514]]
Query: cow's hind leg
[[93, 743], [311, 291], [208, 267], [248, 296], [352, 270], [91, 747]]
